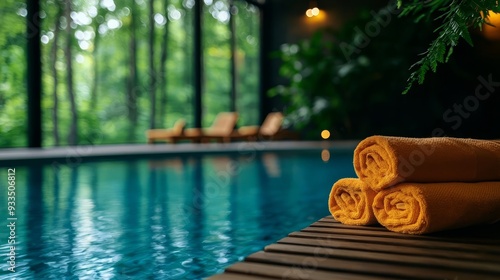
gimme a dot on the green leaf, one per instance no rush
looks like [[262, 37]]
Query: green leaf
[[450, 52], [456, 17]]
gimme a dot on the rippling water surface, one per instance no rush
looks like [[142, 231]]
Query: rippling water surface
[[171, 218]]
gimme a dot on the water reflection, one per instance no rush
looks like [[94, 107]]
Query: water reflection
[[273, 192], [130, 241], [69, 222], [175, 163], [194, 201], [271, 164], [177, 218], [34, 223]]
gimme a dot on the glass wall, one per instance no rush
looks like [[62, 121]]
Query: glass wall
[[180, 67], [112, 69], [13, 74], [217, 59], [247, 26]]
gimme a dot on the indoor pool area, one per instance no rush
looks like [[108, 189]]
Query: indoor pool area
[[249, 140], [171, 216]]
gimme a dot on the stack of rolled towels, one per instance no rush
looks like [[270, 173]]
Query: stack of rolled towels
[[420, 185]]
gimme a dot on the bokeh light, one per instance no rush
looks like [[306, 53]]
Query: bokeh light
[[312, 12], [315, 11], [325, 134]]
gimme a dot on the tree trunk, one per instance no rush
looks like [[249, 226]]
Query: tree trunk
[[163, 69], [55, 78], [73, 132], [132, 86], [152, 71], [234, 70], [95, 84], [188, 46], [199, 75]]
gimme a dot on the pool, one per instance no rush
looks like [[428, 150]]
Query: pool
[[177, 217]]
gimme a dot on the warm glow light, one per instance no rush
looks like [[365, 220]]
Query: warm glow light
[[315, 11], [492, 32], [325, 134], [312, 12], [325, 155], [309, 13]]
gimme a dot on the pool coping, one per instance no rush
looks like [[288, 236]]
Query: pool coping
[[78, 153]]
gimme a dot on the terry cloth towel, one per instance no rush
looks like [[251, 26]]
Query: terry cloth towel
[[350, 202], [383, 161], [418, 208]]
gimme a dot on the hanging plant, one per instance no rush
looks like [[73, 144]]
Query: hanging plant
[[456, 19]]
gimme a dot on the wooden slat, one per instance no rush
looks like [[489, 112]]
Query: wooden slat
[[286, 272], [489, 250], [398, 259], [477, 235], [341, 229], [362, 267], [237, 276], [486, 234], [391, 235], [393, 249]]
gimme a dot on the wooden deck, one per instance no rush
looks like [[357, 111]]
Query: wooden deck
[[331, 250]]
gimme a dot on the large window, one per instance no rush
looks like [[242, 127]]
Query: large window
[[217, 59], [247, 62], [12, 74], [112, 69], [117, 67], [218, 53]]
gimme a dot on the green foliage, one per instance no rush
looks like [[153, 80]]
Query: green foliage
[[102, 36], [217, 58], [337, 80], [12, 75], [247, 25], [455, 18], [308, 66]]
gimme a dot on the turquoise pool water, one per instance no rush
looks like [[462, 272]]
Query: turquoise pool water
[[163, 218]]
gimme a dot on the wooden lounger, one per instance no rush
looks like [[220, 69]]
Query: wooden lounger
[[166, 135], [271, 129], [220, 129]]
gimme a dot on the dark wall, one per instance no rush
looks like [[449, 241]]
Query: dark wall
[[468, 90], [285, 22], [448, 103]]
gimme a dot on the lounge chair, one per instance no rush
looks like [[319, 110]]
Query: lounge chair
[[153, 135], [220, 130], [271, 129]]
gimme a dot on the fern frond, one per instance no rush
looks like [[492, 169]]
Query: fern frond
[[456, 17]]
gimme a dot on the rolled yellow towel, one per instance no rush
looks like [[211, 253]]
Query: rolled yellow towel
[[418, 208], [350, 202], [383, 161]]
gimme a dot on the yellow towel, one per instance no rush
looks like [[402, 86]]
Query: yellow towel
[[383, 161], [350, 202], [418, 208]]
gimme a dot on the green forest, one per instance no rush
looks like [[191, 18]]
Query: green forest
[[111, 70]]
